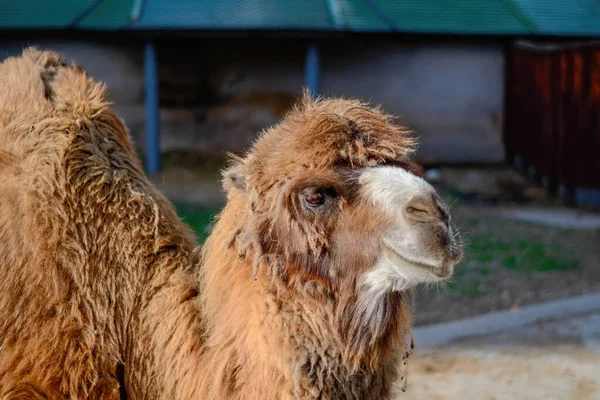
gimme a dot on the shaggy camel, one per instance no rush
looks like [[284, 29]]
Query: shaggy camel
[[100, 292], [325, 214]]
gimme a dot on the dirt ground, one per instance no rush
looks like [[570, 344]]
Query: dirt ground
[[494, 374], [553, 360]]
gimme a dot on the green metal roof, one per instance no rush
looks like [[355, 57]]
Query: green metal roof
[[59, 14], [563, 17], [411, 16], [234, 14], [107, 14], [474, 17], [430, 16]]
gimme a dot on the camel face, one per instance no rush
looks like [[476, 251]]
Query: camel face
[[330, 199], [383, 226]]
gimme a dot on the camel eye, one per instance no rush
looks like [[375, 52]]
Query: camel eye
[[316, 196], [314, 199]]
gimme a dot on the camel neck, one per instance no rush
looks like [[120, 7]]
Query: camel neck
[[310, 346]]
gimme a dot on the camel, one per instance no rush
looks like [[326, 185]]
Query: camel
[[302, 290], [99, 292], [327, 215]]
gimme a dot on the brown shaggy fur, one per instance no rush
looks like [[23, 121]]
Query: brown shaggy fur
[[98, 289], [303, 326], [99, 296]]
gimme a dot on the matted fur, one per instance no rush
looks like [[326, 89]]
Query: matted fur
[[100, 298], [98, 278], [303, 329]]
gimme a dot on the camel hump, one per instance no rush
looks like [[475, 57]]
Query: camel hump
[[39, 83], [21, 90], [42, 96], [66, 86]]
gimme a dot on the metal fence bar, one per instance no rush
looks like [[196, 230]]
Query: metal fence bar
[[312, 70], [152, 110]]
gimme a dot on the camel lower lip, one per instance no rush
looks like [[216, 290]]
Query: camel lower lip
[[440, 272]]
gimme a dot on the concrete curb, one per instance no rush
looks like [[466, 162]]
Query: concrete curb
[[558, 217], [499, 321]]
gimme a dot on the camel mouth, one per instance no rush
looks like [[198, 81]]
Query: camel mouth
[[443, 271]]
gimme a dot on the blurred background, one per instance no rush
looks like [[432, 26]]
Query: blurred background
[[503, 94]]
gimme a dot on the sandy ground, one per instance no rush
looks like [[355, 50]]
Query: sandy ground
[[551, 360]]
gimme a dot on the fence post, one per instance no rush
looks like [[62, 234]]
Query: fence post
[[152, 110], [312, 70]]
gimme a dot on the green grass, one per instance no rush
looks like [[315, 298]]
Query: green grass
[[505, 247], [471, 288], [522, 255], [199, 218]]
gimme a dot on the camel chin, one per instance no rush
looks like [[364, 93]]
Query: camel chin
[[394, 272]]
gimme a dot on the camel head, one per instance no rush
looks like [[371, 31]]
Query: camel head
[[332, 200], [327, 214]]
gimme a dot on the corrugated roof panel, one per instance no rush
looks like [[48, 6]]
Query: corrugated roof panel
[[563, 17], [234, 14], [357, 15], [502, 17], [41, 13], [109, 14], [433, 16]]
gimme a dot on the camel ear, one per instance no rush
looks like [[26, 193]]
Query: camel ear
[[234, 176]]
